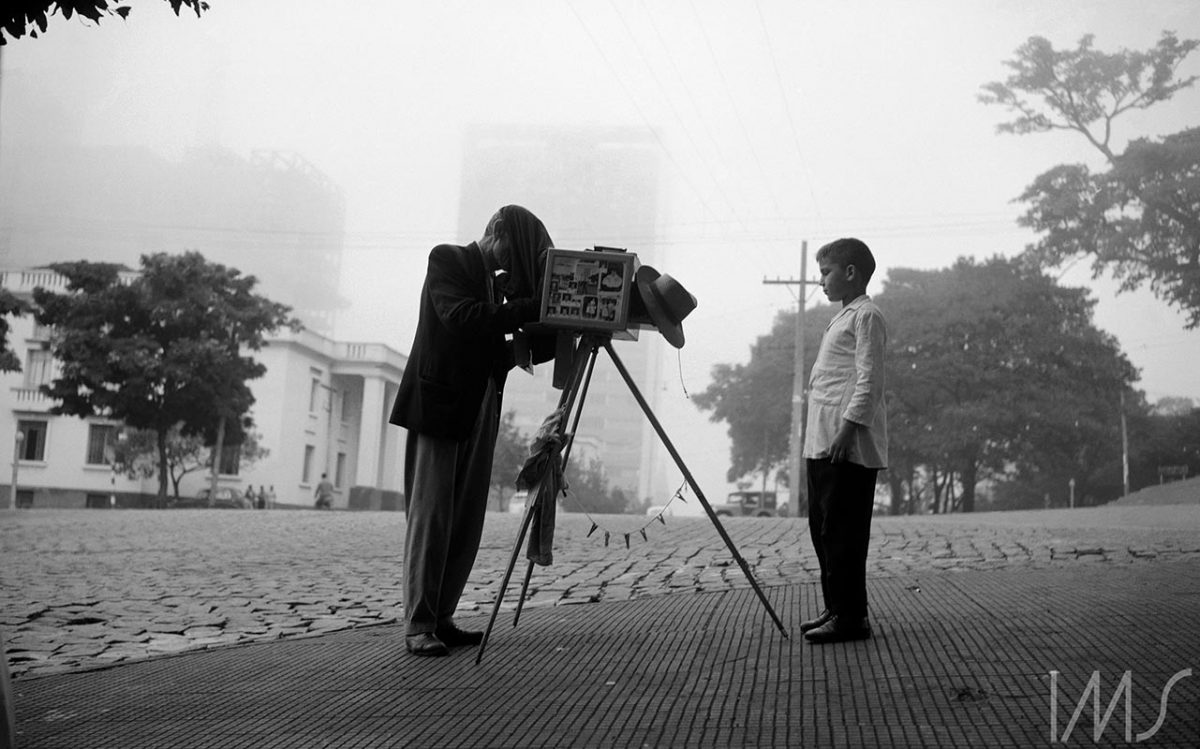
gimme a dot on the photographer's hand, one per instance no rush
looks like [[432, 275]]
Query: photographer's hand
[[526, 310]]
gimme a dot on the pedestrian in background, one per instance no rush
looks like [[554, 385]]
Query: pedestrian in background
[[324, 493], [472, 299], [845, 443]]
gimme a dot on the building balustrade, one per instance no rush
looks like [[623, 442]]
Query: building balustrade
[[23, 282], [31, 397]]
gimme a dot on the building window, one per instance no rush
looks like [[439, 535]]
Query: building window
[[339, 474], [309, 452], [314, 394], [33, 446], [38, 364], [101, 441], [230, 460], [349, 407]]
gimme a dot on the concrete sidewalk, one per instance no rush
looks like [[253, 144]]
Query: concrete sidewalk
[[958, 659]]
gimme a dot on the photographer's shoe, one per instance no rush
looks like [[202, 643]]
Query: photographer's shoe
[[838, 630], [455, 637], [425, 645], [812, 624]]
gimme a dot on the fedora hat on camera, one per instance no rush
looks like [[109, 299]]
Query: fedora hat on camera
[[665, 303]]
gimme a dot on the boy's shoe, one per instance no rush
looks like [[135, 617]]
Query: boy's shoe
[[811, 624], [838, 630]]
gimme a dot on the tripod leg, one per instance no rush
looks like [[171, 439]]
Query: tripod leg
[[566, 399], [581, 393], [512, 562], [662, 435], [578, 407], [524, 592]]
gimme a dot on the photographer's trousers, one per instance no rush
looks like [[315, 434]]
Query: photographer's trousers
[[446, 485]]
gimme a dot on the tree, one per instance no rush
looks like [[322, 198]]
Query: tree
[[20, 15], [1162, 437], [10, 306], [1140, 220], [994, 368], [160, 349], [588, 490], [185, 454], [512, 448], [1174, 406], [755, 398]]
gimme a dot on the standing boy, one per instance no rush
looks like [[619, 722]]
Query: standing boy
[[845, 444]]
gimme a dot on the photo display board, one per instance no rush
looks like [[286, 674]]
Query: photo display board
[[587, 289]]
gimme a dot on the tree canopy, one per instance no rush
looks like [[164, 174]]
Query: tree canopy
[[139, 457], [1166, 435], [161, 350], [10, 306], [1140, 219], [588, 489], [512, 448], [994, 369], [33, 16]]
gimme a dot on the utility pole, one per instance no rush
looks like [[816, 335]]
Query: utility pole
[[1124, 450], [796, 474]]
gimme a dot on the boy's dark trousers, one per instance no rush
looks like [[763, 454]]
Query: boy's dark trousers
[[840, 499]]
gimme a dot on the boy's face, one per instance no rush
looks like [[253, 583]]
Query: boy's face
[[838, 282]]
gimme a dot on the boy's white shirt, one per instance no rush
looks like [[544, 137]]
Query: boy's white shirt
[[847, 384]]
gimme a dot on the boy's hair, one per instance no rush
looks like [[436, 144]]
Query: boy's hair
[[849, 251]]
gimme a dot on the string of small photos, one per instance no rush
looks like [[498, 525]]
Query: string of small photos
[[610, 534]]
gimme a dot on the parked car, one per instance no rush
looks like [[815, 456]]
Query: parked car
[[748, 504], [226, 498]]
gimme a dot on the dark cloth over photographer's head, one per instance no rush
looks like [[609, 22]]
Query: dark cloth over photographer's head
[[528, 241]]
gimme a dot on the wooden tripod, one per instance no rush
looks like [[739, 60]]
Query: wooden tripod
[[572, 399]]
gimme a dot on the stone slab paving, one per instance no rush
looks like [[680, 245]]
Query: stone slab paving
[[80, 589], [978, 658]]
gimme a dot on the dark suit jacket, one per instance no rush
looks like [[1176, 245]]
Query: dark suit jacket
[[460, 343]]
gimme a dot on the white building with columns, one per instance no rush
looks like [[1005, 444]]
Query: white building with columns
[[321, 408]]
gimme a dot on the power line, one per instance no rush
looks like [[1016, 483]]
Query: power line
[[737, 113], [788, 111], [641, 114], [666, 97]]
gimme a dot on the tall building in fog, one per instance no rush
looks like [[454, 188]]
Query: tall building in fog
[[592, 187], [271, 214]]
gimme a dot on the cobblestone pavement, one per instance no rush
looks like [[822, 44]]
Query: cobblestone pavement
[[80, 588]]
